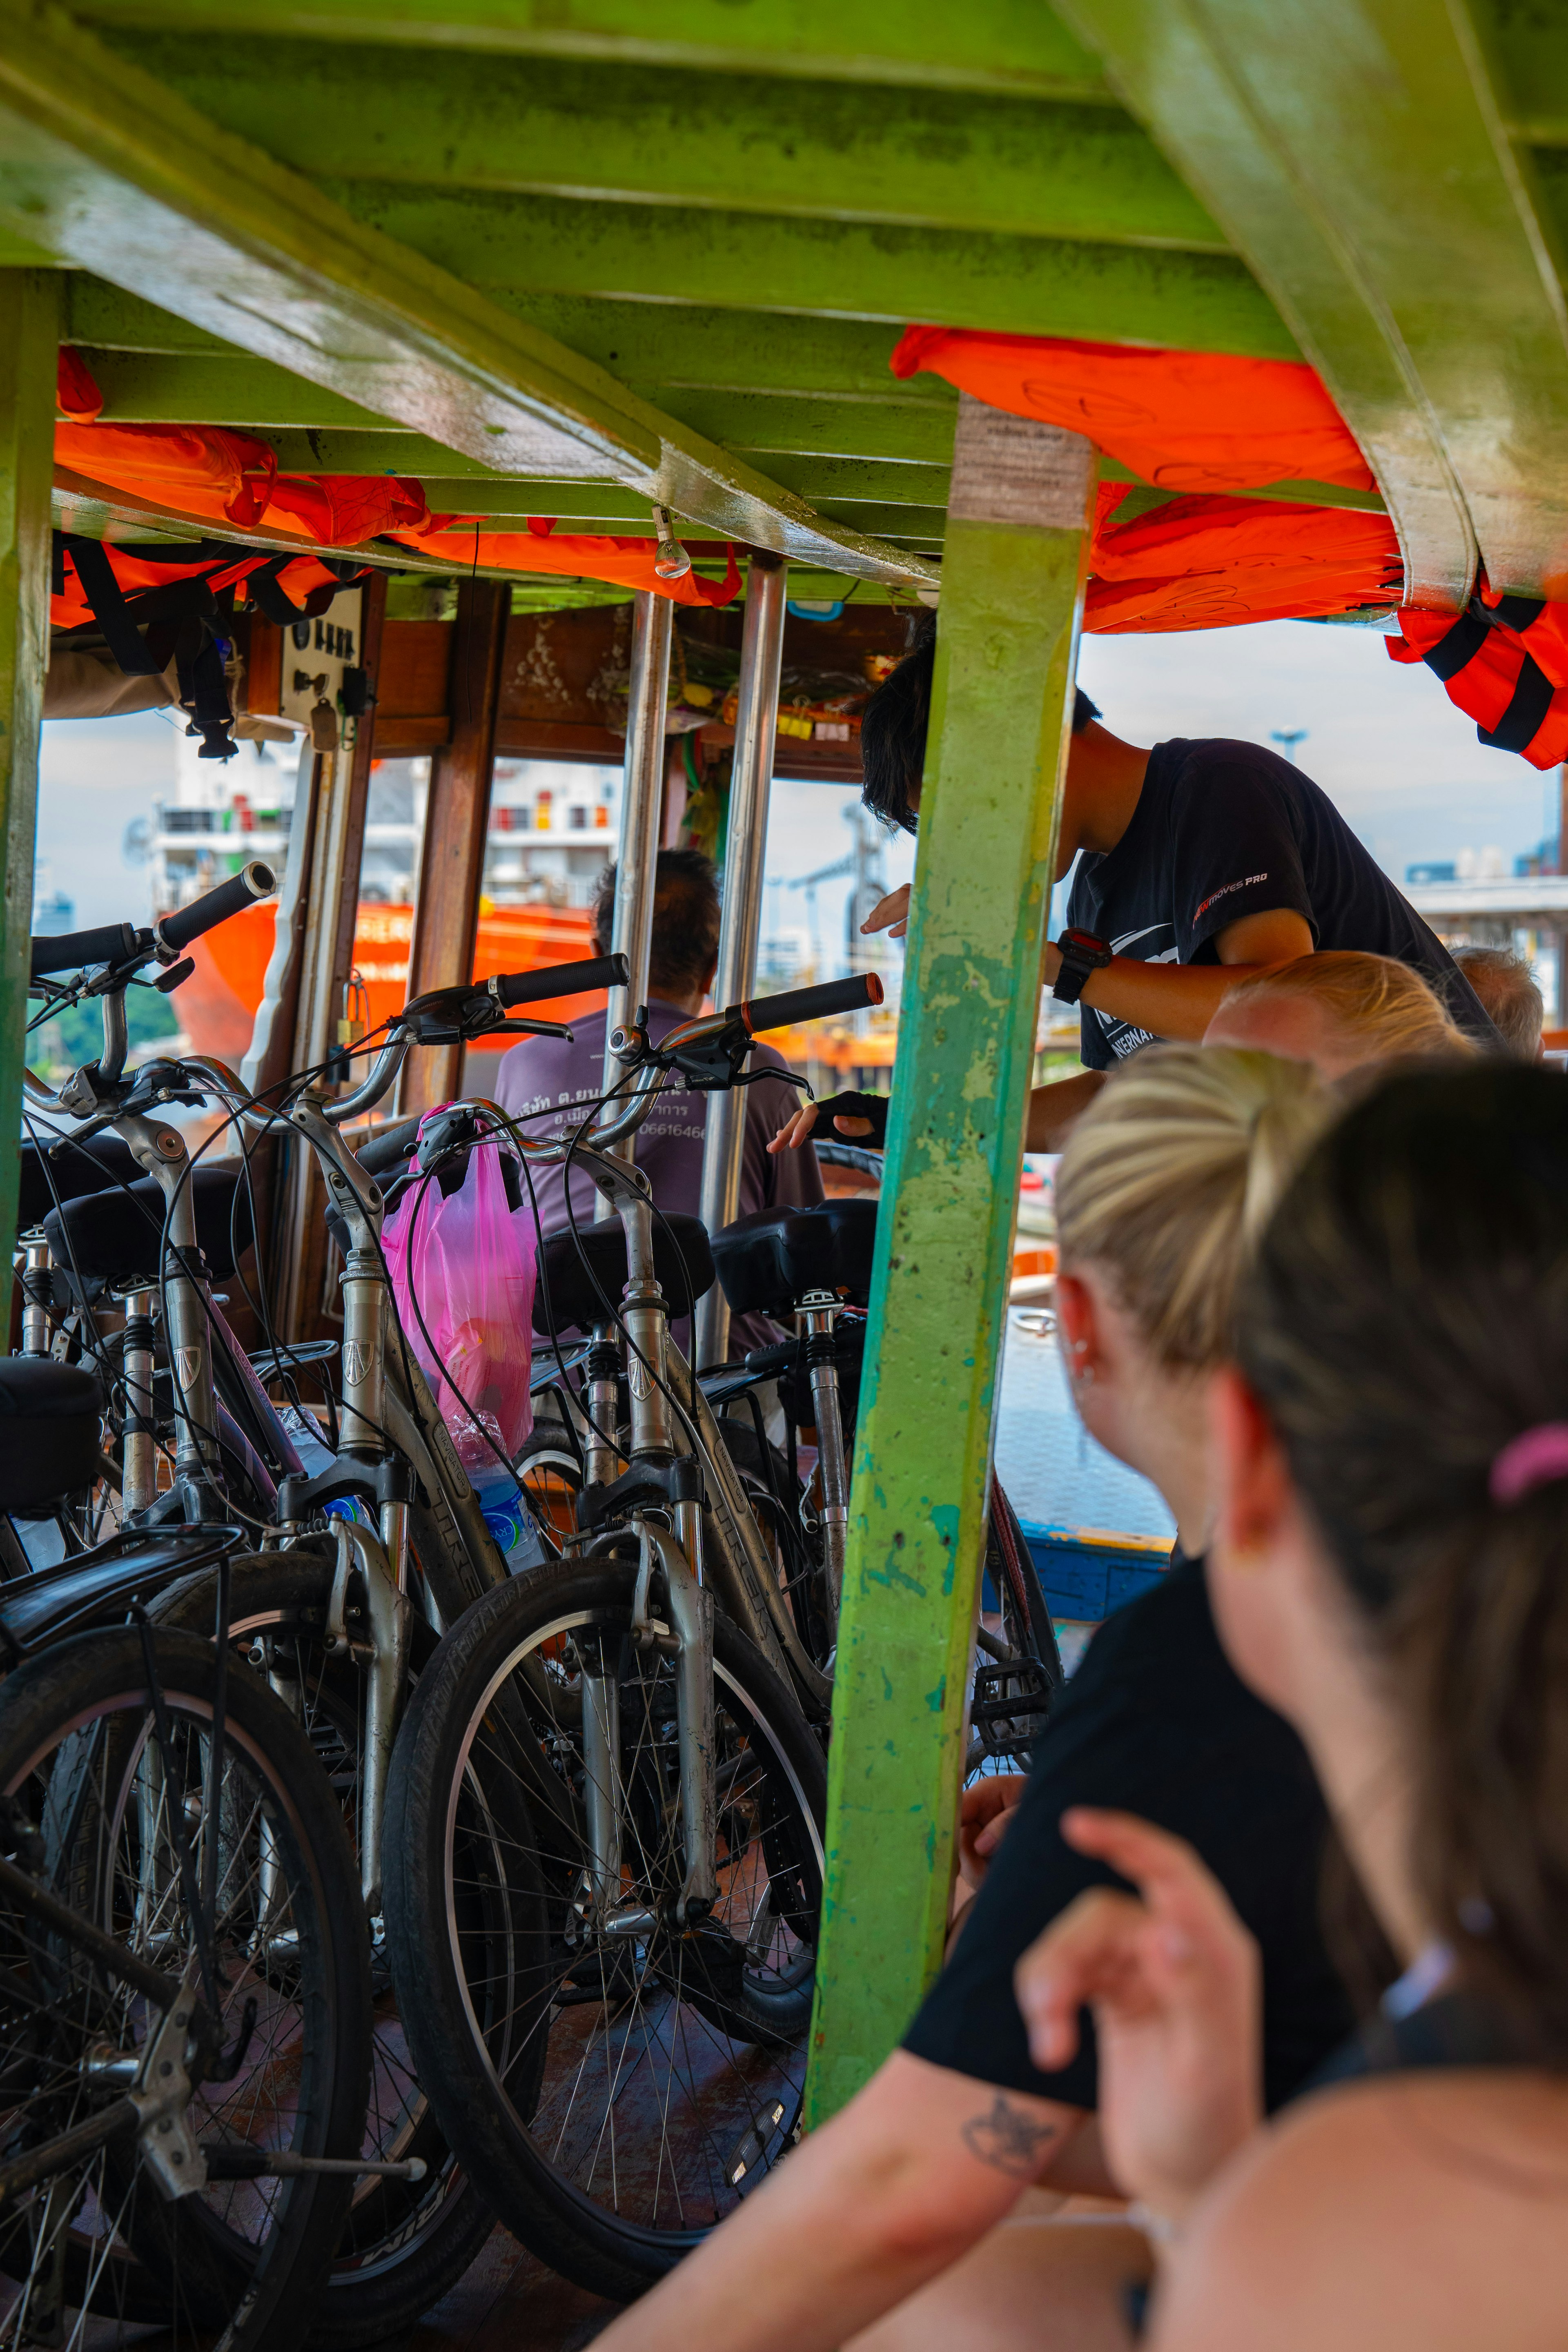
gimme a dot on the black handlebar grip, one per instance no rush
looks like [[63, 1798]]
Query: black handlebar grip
[[561, 979], [809, 1003], [68, 951], [231, 898]]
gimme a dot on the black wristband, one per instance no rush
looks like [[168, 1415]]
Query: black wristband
[[852, 1105], [1082, 955]]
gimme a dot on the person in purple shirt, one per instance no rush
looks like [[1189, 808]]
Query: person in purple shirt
[[551, 1083]]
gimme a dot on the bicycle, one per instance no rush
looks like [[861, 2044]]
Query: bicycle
[[183, 2002], [656, 1700], [325, 1611]]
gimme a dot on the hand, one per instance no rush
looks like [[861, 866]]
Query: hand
[[891, 914], [797, 1130], [988, 1806], [1175, 1982]]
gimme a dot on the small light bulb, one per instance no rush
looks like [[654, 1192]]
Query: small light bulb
[[672, 562]]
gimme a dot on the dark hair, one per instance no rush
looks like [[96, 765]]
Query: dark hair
[[685, 919], [1407, 1317], [894, 726]]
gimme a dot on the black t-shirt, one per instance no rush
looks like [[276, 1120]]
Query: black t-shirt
[[1155, 1722], [1223, 830]]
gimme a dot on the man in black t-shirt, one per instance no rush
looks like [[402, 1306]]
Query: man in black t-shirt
[[1202, 861]]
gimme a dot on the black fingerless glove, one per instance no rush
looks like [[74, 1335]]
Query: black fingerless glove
[[872, 1107]]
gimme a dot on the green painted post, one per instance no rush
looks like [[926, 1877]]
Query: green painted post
[[1010, 602], [30, 335]]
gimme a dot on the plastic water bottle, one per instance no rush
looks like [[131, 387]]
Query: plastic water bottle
[[507, 1516]]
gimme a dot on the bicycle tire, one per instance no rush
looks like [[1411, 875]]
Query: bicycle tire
[[78, 1757], [403, 2244], [506, 2082]]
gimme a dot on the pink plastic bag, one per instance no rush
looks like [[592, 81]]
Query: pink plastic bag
[[469, 1264]]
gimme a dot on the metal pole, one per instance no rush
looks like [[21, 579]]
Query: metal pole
[[637, 855], [29, 342], [756, 722]]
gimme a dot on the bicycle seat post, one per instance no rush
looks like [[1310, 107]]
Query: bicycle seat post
[[35, 1270], [647, 1321], [138, 1476], [821, 1310], [602, 1371]]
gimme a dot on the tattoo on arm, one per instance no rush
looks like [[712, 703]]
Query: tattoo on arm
[[1006, 2140]]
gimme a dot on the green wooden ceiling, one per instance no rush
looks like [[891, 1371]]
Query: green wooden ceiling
[[572, 257]]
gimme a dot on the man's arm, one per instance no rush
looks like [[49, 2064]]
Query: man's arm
[[907, 2179], [1180, 1000]]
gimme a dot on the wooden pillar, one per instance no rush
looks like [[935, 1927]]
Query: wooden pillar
[[1012, 589], [29, 341], [452, 865]]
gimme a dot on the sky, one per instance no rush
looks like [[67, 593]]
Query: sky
[[1384, 741]]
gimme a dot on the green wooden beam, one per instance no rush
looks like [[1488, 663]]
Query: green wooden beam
[[650, 346], [30, 335], [519, 247], [947, 158], [1003, 45], [1356, 151], [234, 388], [160, 388], [1011, 599], [1528, 45], [911, 432], [114, 174]]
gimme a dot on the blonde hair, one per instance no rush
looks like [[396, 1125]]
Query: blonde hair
[[1387, 1007], [1170, 1177]]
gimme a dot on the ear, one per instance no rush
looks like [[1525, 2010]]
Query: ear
[[1078, 1322], [1253, 1493]]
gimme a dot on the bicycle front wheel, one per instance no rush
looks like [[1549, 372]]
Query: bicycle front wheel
[[617, 2081], [99, 1804]]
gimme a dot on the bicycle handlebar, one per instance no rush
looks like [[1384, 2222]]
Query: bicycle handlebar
[[513, 988], [69, 951], [231, 898], [796, 1005]]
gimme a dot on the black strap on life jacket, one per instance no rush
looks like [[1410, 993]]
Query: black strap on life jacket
[[110, 610], [1529, 703], [1460, 644], [1527, 710]]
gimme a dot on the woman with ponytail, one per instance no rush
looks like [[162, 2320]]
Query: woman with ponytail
[[1389, 1568], [1167, 1180]]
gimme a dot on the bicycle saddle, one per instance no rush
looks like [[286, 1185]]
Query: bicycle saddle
[[94, 1167], [769, 1260], [111, 1239], [48, 1430], [681, 1260]]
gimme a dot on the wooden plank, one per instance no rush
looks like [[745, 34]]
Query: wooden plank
[[516, 249], [416, 665], [455, 118], [1005, 44], [452, 862], [105, 168]]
